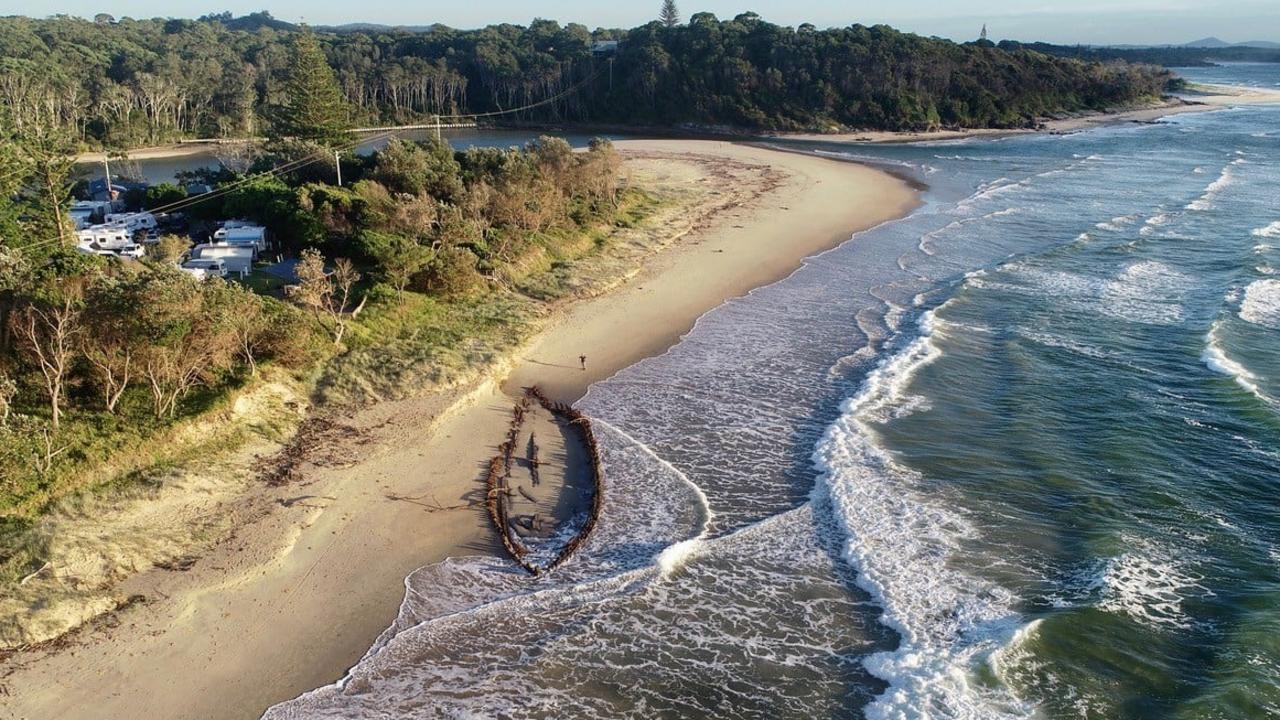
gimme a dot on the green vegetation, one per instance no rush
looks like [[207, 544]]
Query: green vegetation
[[411, 277], [313, 108], [131, 82]]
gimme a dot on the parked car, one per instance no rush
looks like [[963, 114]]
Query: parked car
[[134, 251]]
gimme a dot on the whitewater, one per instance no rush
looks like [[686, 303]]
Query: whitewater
[[1012, 456]]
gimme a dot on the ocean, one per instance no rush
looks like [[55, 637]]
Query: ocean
[[1016, 455]]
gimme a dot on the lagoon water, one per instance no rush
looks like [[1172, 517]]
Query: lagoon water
[[1016, 455]]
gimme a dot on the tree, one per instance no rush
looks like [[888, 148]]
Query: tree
[[49, 154], [112, 338], [314, 107], [398, 258], [186, 334], [169, 249], [326, 294], [669, 16], [162, 195], [242, 314], [8, 390], [430, 167], [47, 333]]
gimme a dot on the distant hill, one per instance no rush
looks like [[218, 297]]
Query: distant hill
[[1209, 42], [249, 23], [376, 28], [1216, 43], [1199, 53]]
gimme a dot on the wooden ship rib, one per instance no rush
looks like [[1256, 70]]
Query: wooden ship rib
[[498, 480]]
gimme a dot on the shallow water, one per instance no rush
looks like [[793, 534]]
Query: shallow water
[[1012, 456]]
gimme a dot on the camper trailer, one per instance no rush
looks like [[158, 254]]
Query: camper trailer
[[237, 259], [142, 223], [103, 237], [204, 268], [247, 236]]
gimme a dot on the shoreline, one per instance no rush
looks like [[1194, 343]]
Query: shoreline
[[289, 602], [1201, 98], [1204, 98]]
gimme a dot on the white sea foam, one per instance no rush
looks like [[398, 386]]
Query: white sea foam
[[1148, 292], [1148, 583], [1270, 231], [1215, 357], [902, 544], [1261, 304], [1154, 223], [1225, 179], [1116, 224], [1066, 343]]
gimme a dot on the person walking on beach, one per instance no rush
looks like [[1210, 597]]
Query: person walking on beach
[[582, 359]]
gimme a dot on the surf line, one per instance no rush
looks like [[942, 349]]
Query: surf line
[[498, 480]]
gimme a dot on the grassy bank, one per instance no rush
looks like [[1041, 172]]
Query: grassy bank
[[130, 492]]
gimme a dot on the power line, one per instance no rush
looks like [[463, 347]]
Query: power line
[[188, 202], [318, 154]]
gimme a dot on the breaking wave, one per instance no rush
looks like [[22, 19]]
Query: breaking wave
[[902, 544]]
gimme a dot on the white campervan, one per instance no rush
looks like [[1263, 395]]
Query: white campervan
[[237, 259], [205, 268], [104, 237], [247, 236], [141, 224]]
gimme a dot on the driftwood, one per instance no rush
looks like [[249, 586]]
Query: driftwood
[[499, 474], [320, 441]]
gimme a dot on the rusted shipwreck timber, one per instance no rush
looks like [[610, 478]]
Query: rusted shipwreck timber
[[499, 475]]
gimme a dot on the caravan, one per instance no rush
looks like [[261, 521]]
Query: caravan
[[236, 259], [247, 236], [205, 268], [140, 224], [103, 237]]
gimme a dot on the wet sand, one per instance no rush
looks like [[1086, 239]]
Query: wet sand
[[289, 601]]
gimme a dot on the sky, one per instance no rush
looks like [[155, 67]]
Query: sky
[[1073, 21]]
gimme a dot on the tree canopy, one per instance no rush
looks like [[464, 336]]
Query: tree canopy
[[132, 82], [313, 107]]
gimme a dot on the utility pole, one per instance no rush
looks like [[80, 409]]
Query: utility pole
[[337, 160], [106, 166], [438, 140]]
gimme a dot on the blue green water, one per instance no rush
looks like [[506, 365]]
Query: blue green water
[[1016, 455]]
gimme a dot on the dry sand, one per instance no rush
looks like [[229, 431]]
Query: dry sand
[[293, 598], [158, 152]]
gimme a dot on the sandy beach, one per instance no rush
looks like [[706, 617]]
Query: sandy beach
[[288, 601], [159, 152]]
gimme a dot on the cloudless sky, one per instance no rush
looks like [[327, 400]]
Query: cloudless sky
[[1071, 21]]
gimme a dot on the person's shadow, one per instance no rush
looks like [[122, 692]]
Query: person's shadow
[[554, 365]]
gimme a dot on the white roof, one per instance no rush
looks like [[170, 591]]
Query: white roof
[[236, 258], [246, 231], [222, 250]]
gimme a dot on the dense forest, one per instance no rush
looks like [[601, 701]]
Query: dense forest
[[121, 83]]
